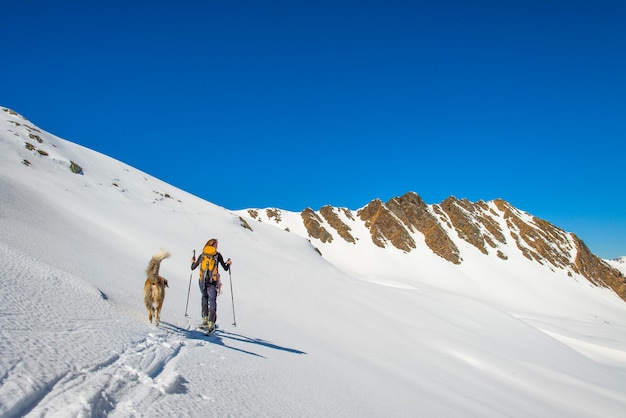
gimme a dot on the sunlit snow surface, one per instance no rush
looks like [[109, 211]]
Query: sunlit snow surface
[[358, 332]]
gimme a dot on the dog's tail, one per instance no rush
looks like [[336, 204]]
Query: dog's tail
[[152, 272]]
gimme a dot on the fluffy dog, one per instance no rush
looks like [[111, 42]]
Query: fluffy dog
[[154, 287]]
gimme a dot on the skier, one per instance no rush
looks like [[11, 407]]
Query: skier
[[210, 283]]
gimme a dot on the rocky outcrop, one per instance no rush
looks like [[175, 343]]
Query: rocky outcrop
[[414, 213], [596, 270], [489, 230], [537, 239], [494, 228], [75, 168], [34, 142], [338, 225], [473, 224], [273, 214], [385, 227], [313, 225]]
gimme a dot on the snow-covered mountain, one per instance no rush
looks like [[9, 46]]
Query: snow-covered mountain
[[455, 231], [395, 309], [619, 263]]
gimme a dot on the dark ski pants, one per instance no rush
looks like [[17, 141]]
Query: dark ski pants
[[209, 300]]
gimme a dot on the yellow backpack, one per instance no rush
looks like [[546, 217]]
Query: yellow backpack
[[208, 264]]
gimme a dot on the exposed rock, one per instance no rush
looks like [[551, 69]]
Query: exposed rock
[[244, 223], [384, 226], [460, 215], [473, 224], [348, 213], [438, 241], [538, 240], [36, 138], [491, 227], [414, 213], [313, 225], [486, 218], [273, 213], [333, 220], [596, 270], [75, 168]]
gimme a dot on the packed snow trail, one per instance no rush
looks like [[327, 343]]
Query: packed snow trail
[[124, 383], [49, 314], [90, 361]]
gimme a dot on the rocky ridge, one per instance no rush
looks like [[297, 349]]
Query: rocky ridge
[[493, 228]]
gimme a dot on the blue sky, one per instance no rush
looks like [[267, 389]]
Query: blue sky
[[302, 104]]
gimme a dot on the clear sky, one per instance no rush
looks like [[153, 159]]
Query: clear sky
[[295, 104]]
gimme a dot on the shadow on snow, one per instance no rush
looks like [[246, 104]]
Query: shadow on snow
[[219, 337]]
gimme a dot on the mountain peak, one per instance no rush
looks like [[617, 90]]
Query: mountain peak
[[451, 230]]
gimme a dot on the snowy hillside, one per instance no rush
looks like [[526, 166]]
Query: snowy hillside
[[314, 336], [619, 263], [409, 240]]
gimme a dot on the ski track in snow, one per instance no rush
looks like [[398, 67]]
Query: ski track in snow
[[129, 369], [89, 381], [122, 385]]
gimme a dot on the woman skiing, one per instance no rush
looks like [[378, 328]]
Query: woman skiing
[[210, 283]]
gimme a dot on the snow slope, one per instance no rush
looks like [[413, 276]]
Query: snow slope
[[619, 263], [311, 337]]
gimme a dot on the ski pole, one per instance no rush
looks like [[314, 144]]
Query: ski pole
[[189, 289], [232, 296]]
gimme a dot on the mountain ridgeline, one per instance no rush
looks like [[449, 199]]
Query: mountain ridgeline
[[486, 236], [493, 228]]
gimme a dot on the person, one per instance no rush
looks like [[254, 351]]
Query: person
[[210, 283]]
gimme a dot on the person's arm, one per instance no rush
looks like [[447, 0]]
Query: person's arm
[[225, 264], [194, 262]]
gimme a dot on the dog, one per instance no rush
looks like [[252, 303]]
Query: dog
[[154, 287]]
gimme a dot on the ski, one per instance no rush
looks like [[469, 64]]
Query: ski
[[206, 330]]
